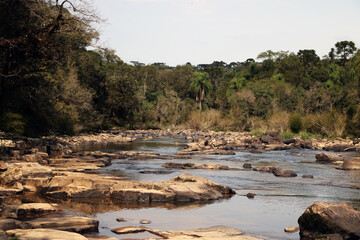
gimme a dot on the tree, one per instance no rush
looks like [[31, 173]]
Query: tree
[[345, 49], [37, 39], [200, 84], [309, 58]]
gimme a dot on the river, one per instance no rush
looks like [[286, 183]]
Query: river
[[278, 203]]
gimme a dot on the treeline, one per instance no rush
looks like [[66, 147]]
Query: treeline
[[50, 82]]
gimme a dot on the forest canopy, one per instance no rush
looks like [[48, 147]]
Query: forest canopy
[[52, 82]]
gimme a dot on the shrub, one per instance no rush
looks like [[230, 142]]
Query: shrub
[[12, 123], [295, 123]]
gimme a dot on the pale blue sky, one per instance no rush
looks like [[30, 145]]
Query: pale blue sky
[[203, 31]]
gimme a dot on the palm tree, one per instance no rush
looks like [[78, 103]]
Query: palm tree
[[200, 84]]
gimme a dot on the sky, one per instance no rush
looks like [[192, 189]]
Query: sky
[[202, 31]]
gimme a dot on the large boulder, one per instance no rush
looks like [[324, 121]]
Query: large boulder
[[328, 157], [321, 219], [182, 188], [43, 233], [29, 210]]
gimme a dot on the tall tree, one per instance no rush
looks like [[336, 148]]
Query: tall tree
[[345, 49], [200, 84]]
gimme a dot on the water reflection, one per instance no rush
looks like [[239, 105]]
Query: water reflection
[[94, 206]]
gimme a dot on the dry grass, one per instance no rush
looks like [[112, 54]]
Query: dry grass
[[211, 119], [330, 123]]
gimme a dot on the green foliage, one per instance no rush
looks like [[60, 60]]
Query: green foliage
[[295, 123], [200, 85], [13, 123], [257, 133], [51, 83]]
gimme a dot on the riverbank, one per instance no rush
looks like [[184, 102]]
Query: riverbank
[[67, 176]]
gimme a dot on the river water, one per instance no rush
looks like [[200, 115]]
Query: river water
[[278, 203]]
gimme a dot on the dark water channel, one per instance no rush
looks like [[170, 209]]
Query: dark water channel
[[278, 202]]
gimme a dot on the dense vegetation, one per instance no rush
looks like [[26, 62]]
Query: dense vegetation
[[50, 82]]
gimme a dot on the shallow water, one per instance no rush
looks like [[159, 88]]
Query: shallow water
[[278, 203]]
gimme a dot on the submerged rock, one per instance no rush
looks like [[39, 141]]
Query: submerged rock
[[307, 176], [211, 233], [322, 219]]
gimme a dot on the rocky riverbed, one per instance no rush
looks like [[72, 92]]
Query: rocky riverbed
[[58, 170]]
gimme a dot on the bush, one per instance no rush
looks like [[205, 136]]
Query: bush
[[295, 123], [12, 123]]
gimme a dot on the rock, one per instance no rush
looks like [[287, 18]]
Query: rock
[[11, 191], [307, 144], [291, 229], [217, 142], [250, 195], [33, 158], [3, 166], [213, 233], [128, 229], [269, 169], [351, 164], [121, 220], [9, 224], [29, 210], [3, 235], [70, 224], [278, 172], [210, 166], [100, 238], [290, 141], [18, 172], [328, 157], [338, 147], [247, 166], [145, 222], [330, 218], [182, 188], [48, 234], [266, 139], [307, 176]]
